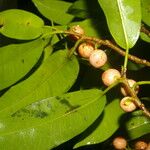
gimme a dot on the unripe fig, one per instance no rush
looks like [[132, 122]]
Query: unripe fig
[[76, 30], [119, 143], [127, 104], [85, 50], [131, 84], [98, 58], [110, 76], [141, 145]]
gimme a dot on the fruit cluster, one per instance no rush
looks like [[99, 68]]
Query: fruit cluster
[[98, 58], [120, 143]]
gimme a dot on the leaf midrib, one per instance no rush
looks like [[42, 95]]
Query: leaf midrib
[[122, 22], [145, 123]]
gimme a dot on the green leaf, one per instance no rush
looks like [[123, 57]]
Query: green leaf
[[79, 9], [145, 7], [124, 20], [85, 9], [55, 76], [48, 51], [103, 127], [20, 24], [145, 37], [16, 60], [137, 125], [54, 10], [65, 117]]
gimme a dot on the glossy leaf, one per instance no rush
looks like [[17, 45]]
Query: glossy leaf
[[54, 10], [65, 117], [20, 24], [137, 125], [124, 20], [16, 60], [55, 76], [103, 127], [145, 6]]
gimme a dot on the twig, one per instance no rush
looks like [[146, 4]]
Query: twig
[[131, 92], [113, 47], [137, 101], [120, 51]]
